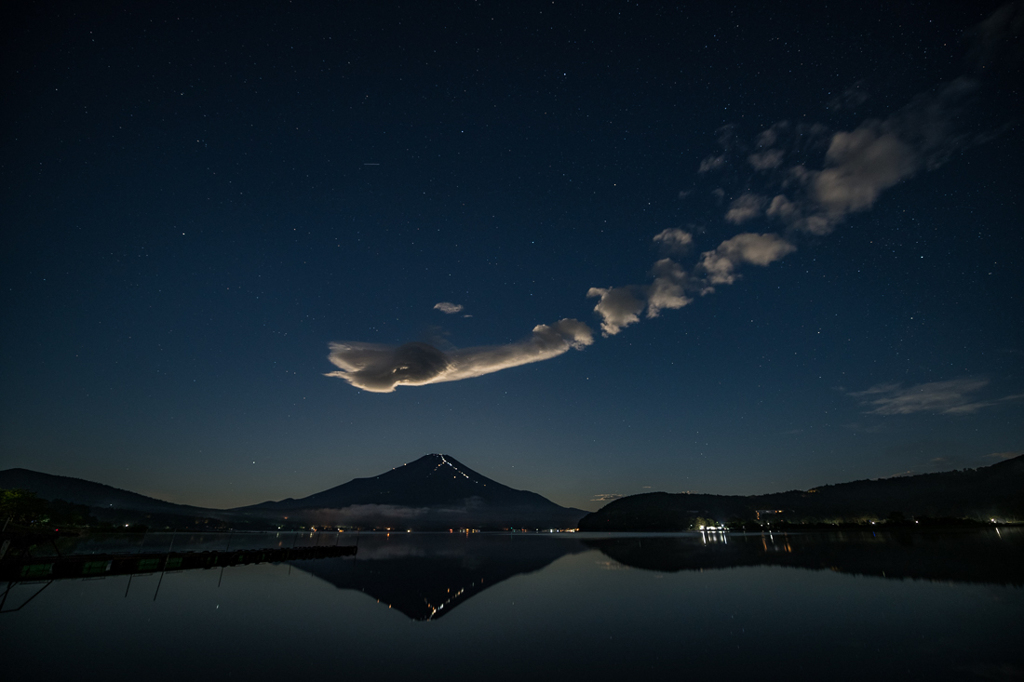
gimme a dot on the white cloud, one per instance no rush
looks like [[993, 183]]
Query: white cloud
[[618, 307], [998, 35], [939, 397], [782, 207], [606, 497], [1005, 455], [850, 98], [667, 292], [859, 166], [366, 513], [766, 160], [748, 247], [674, 239], [380, 368], [768, 138], [746, 207], [711, 163], [449, 308]]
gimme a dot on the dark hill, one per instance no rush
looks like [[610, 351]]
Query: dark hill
[[96, 495], [995, 491], [116, 506]]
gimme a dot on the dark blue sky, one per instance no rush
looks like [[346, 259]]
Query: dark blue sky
[[196, 202]]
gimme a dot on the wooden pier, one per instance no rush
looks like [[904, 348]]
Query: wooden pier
[[23, 568]]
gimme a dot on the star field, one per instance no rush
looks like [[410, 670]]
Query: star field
[[465, 201]]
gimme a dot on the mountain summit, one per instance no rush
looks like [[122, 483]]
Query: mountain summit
[[430, 480], [434, 492]]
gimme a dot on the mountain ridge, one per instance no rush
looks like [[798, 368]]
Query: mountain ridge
[[983, 493], [437, 492], [89, 493]]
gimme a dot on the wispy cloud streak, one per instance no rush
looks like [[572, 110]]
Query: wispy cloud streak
[[448, 308], [953, 397]]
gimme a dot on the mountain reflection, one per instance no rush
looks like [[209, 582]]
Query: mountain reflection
[[989, 556], [425, 576]]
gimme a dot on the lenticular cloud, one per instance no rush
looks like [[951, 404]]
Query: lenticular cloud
[[381, 368]]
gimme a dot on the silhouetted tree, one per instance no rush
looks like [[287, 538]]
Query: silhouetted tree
[[896, 517], [21, 506]]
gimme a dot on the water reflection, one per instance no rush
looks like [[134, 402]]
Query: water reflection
[[540, 606], [426, 576], [993, 556]]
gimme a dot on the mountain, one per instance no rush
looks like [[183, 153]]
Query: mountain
[[436, 492], [94, 495], [995, 491]]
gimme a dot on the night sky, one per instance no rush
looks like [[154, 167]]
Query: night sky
[[604, 248]]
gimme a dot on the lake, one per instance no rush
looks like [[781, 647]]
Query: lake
[[939, 605]]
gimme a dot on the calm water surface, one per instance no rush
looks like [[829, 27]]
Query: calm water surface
[[936, 606]]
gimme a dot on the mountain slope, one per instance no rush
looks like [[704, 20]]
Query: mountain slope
[[97, 495], [433, 492], [987, 492], [430, 480]]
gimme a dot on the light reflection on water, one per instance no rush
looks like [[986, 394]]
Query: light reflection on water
[[797, 606]]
